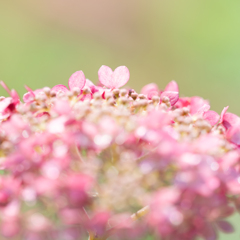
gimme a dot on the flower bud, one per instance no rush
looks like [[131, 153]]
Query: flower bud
[[86, 90], [156, 99], [76, 91], [123, 100], [115, 93], [108, 95], [47, 91], [97, 96], [142, 96], [53, 94], [123, 92]]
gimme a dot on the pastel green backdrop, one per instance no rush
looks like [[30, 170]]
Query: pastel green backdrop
[[196, 43]]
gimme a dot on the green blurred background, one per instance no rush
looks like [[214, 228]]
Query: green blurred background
[[196, 43]]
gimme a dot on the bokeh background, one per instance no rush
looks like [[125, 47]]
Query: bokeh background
[[196, 43]]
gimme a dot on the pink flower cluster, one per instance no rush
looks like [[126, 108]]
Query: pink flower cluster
[[103, 162]]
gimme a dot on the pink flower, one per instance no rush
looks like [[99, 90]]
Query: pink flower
[[77, 80], [197, 103], [109, 162], [113, 79], [150, 90], [171, 92], [212, 117]]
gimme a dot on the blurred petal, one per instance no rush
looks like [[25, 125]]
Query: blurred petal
[[115, 79], [60, 88], [172, 86], [121, 76], [229, 120], [173, 96], [223, 113], [211, 116], [225, 226], [77, 80]]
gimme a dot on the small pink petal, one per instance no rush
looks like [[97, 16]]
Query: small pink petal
[[28, 88], [183, 102], [115, 79], [211, 116], [100, 89], [5, 103], [173, 96], [225, 226], [38, 92], [77, 80], [172, 86], [196, 103], [87, 97], [15, 96], [43, 114], [5, 87], [91, 85], [229, 120], [209, 232], [60, 88], [222, 114], [28, 97], [203, 109], [121, 76], [105, 76], [148, 88], [233, 134], [151, 94]]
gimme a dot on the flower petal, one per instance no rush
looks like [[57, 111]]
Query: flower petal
[[173, 96], [202, 110], [172, 86], [121, 76], [5, 87], [91, 85], [233, 134], [115, 79], [222, 114], [197, 103], [150, 90], [77, 79], [105, 76], [28, 97], [225, 226], [60, 88], [211, 116], [229, 120]]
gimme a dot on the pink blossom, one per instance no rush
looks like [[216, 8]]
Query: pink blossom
[[105, 162], [150, 90], [60, 88], [77, 80], [172, 86], [229, 120], [196, 103], [212, 117], [172, 96], [113, 79]]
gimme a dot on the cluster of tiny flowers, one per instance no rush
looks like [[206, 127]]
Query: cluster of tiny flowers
[[100, 162]]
